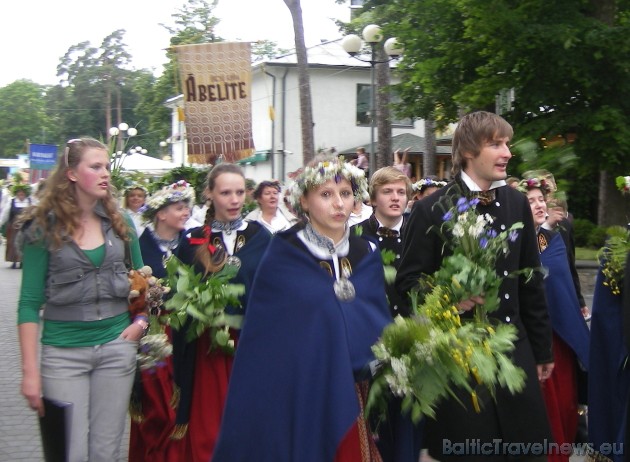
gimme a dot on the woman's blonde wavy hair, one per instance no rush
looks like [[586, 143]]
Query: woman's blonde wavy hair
[[60, 199]]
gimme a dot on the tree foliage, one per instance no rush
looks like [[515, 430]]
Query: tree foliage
[[566, 61], [266, 49], [567, 64], [194, 23], [23, 111], [99, 88]]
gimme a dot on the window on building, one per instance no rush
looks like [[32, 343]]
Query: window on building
[[364, 108]]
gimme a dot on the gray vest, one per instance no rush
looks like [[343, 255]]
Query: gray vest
[[76, 290]]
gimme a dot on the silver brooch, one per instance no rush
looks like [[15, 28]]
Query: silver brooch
[[233, 261], [344, 290]]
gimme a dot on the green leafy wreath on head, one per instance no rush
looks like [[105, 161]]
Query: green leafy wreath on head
[[24, 187]]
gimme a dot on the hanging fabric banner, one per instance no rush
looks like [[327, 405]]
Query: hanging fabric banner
[[216, 83]]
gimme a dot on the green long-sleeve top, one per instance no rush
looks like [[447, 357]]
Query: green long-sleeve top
[[67, 333]]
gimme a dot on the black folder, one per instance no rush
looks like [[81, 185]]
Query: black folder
[[55, 429]]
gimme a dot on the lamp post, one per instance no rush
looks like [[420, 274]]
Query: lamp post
[[178, 146], [119, 133], [165, 156], [119, 137], [352, 44]]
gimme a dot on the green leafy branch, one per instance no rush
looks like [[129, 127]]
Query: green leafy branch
[[198, 303]]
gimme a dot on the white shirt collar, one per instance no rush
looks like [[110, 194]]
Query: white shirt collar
[[342, 248], [396, 227], [475, 187]]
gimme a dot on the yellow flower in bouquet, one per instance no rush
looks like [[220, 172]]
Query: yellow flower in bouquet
[[424, 358], [613, 258]]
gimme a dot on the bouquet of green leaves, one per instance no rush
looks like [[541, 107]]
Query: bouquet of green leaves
[[198, 303], [623, 184], [423, 359]]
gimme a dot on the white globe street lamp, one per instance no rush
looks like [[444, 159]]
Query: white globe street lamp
[[352, 44], [119, 137], [123, 130]]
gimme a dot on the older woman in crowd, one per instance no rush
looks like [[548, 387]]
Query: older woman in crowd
[[269, 213]]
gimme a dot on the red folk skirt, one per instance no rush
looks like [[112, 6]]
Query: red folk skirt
[[560, 393], [210, 387], [358, 445]]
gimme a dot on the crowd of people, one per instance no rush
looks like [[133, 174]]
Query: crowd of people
[[315, 301]]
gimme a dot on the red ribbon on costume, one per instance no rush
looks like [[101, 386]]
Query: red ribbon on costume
[[204, 240]]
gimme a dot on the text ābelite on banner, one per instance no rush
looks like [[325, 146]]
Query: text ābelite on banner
[[216, 83]]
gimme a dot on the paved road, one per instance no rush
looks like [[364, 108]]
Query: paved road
[[19, 428]]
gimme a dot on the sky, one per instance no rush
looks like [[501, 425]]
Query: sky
[[36, 34]]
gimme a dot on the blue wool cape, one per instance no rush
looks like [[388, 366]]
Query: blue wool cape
[[564, 309], [292, 391], [608, 376]]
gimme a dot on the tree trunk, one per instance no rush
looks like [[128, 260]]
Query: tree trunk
[[119, 112], [428, 159], [306, 107], [613, 208], [383, 113], [108, 111]]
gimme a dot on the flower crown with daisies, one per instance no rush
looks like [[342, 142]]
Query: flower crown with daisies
[[331, 169], [623, 184], [427, 183], [527, 184], [177, 192]]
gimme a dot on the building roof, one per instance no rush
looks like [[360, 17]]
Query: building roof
[[402, 142], [325, 54]]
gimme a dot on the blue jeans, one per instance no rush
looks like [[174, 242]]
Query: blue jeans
[[98, 381]]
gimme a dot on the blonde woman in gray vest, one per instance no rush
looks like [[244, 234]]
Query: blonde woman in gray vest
[[75, 243]]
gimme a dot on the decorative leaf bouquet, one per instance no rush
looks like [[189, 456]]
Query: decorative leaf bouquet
[[200, 303], [423, 359], [614, 253], [613, 258], [623, 184]]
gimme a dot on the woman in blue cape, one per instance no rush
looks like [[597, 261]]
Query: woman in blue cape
[[570, 332], [163, 221], [609, 373], [316, 307], [202, 372]]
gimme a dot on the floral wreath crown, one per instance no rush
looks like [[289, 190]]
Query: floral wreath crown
[[177, 192], [320, 173], [534, 183], [623, 184], [427, 183], [133, 186]]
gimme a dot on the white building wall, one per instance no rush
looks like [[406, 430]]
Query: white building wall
[[333, 94]]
